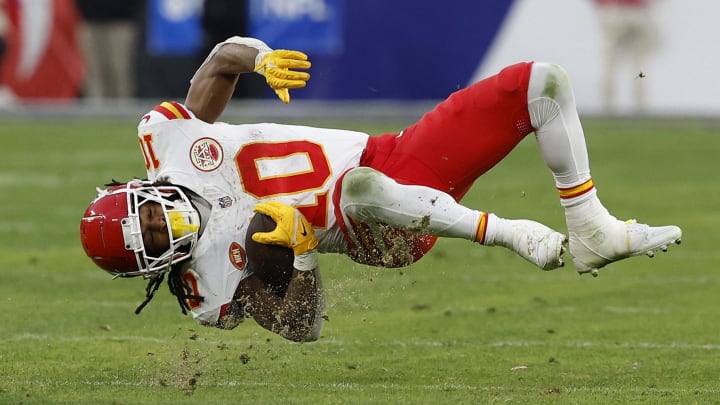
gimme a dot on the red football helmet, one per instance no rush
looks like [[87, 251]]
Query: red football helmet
[[111, 235]]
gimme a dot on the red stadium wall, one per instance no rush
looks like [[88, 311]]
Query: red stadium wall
[[43, 58]]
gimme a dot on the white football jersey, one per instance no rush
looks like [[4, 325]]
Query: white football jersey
[[234, 167]]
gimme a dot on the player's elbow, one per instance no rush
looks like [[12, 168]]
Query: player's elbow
[[299, 334], [303, 331]]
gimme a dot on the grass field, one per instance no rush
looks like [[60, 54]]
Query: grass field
[[465, 325]]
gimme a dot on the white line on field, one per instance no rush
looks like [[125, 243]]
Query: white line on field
[[72, 339], [416, 343], [355, 386], [617, 345]]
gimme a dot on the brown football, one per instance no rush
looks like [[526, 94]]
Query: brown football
[[272, 263]]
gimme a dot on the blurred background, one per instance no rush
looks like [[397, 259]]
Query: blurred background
[[625, 57]]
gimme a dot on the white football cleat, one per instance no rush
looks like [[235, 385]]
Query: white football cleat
[[615, 240], [536, 243]]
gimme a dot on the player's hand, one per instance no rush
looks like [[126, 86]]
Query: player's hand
[[276, 67], [292, 230]]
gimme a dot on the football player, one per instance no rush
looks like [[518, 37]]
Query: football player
[[382, 200]]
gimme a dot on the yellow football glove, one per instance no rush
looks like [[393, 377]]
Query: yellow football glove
[[276, 65], [292, 230]]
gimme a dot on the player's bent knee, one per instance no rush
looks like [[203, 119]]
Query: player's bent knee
[[314, 335], [552, 70], [361, 182], [362, 189], [554, 82]]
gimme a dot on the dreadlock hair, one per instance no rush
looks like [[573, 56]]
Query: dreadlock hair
[[150, 290], [114, 183], [180, 289], [177, 286]]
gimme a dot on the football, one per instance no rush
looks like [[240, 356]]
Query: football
[[272, 263]]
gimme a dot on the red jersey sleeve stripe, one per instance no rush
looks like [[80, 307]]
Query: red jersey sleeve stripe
[[171, 107], [182, 110], [172, 110], [164, 111]]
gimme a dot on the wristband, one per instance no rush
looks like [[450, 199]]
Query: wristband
[[307, 261], [261, 47]]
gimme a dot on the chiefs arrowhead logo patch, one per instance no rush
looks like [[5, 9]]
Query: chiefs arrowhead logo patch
[[206, 154]]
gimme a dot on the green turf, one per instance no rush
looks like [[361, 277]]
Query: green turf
[[466, 325]]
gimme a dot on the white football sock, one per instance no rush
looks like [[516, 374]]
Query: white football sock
[[551, 104], [586, 215]]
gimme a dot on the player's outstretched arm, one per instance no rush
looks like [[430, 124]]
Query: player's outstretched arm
[[214, 82]]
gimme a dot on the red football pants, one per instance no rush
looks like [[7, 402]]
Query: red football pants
[[462, 138], [447, 149]]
